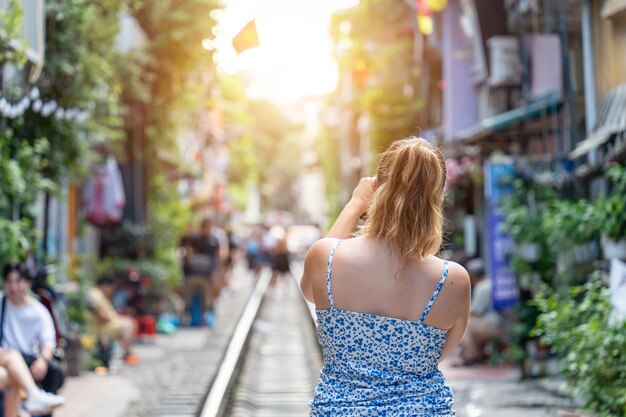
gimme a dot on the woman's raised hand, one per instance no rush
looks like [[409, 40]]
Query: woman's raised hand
[[363, 193]]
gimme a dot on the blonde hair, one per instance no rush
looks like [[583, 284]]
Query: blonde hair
[[407, 206]]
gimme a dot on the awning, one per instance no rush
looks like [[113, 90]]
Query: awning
[[610, 121], [550, 102]]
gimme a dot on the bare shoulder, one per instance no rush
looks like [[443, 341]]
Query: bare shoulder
[[319, 251], [315, 265], [458, 280], [456, 293]]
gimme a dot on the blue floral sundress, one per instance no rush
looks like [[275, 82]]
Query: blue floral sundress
[[379, 366]]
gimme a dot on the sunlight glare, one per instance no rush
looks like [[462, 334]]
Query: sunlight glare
[[208, 44], [295, 56]]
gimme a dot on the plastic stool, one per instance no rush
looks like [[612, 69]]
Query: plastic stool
[[146, 326]]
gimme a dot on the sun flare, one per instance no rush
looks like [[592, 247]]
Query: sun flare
[[295, 57]]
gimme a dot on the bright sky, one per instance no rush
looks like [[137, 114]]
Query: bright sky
[[295, 56]]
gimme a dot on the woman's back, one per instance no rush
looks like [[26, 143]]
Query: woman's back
[[368, 277], [388, 310], [380, 352]]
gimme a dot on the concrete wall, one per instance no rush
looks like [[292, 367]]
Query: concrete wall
[[610, 49]]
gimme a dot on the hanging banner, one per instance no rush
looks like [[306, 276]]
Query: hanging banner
[[498, 177]]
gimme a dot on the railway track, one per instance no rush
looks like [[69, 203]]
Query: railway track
[[272, 361]]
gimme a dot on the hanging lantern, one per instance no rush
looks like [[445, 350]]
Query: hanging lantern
[[422, 8], [425, 24], [424, 17], [436, 5]]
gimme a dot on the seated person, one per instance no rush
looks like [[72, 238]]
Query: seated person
[[27, 327], [485, 323], [107, 322], [15, 377]]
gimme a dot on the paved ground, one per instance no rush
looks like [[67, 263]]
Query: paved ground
[[157, 386], [484, 391], [170, 364]]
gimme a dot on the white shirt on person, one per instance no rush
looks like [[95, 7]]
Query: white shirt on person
[[28, 328], [482, 303]]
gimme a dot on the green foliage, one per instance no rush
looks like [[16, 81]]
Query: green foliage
[[327, 148], [21, 170], [128, 240], [12, 45], [524, 209], [78, 310], [380, 38], [78, 73], [17, 238], [277, 152], [569, 223], [394, 115], [611, 210], [169, 70], [77, 301], [21, 167], [168, 219], [264, 147], [577, 327], [164, 84], [37, 152]]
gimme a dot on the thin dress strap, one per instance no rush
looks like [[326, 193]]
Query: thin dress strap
[[436, 293], [328, 274]]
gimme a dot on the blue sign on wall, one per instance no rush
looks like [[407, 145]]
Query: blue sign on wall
[[498, 184]]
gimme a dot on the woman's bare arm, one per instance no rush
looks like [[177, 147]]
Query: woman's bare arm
[[359, 203], [462, 295]]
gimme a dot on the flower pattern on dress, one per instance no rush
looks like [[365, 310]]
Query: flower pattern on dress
[[379, 366]]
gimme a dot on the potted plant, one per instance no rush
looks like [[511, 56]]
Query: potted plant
[[576, 326], [522, 210], [611, 211], [572, 228], [533, 264]]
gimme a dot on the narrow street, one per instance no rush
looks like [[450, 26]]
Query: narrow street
[[278, 374], [146, 147], [499, 392]]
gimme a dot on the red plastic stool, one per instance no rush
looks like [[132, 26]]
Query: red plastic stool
[[146, 327]]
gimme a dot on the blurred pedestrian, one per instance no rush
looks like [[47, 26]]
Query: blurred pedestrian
[[201, 267], [27, 327], [15, 377], [388, 309], [233, 250], [268, 241], [47, 296], [280, 254], [223, 251], [485, 323], [186, 247], [107, 322], [253, 251]]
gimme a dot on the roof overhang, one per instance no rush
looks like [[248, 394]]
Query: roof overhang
[[610, 121], [503, 121]]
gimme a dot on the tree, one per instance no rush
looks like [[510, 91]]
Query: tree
[[264, 147], [375, 40], [165, 84], [40, 151]]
